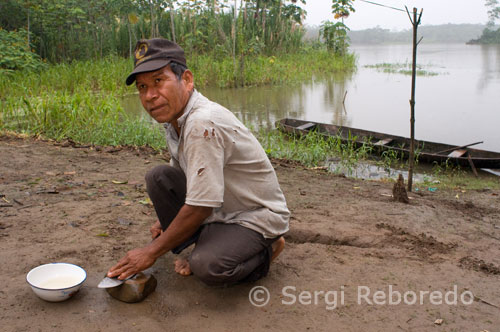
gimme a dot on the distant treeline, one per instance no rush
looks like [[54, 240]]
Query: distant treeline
[[446, 33], [490, 36]]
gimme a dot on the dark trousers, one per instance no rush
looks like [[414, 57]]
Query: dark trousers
[[224, 253]]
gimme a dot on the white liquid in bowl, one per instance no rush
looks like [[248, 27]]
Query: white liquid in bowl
[[60, 282]]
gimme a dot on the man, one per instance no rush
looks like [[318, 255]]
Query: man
[[220, 191]]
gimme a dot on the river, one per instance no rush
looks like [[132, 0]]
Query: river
[[459, 105]]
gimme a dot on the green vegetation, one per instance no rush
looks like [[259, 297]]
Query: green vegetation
[[401, 68], [85, 117], [65, 30], [15, 53], [261, 70], [312, 149], [447, 176]]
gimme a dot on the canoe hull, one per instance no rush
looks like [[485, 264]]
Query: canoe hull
[[428, 152]]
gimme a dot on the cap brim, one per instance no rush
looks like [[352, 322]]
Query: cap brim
[[144, 67]]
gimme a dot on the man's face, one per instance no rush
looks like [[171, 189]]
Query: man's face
[[162, 94]]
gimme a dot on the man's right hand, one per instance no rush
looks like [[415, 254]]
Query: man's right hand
[[155, 230]]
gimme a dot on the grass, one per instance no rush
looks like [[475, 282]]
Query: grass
[[448, 176], [401, 68], [312, 149], [86, 117], [108, 75]]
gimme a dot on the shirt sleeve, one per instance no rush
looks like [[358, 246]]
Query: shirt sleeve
[[204, 155]]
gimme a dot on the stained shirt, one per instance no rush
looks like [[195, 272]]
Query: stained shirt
[[226, 168]]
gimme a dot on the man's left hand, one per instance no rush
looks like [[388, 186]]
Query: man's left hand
[[135, 261]]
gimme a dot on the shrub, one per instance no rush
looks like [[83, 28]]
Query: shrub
[[15, 52]]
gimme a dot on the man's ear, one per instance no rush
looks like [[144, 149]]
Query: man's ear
[[188, 79]]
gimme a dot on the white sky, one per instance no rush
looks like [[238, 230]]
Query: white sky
[[369, 16]]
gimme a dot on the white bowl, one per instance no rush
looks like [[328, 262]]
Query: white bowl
[[56, 282]]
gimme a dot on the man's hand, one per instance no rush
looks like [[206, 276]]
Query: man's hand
[[185, 224], [135, 261], [156, 230]]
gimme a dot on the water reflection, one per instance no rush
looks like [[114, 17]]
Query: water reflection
[[362, 170], [262, 106], [490, 56], [132, 105]]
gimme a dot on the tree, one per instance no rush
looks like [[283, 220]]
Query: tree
[[15, 53], [335, 34], [493, 11]]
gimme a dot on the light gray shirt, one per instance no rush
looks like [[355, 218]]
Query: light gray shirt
[[226, 168]]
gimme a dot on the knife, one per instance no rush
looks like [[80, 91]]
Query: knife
[[108, 282]]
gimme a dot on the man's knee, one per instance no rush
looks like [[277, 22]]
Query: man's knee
[[158, 174], [210, 269]]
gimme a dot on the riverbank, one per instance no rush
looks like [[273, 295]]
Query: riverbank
[[82, 100], [75, 204]]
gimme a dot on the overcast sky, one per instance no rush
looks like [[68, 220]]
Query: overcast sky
[[369, 16]]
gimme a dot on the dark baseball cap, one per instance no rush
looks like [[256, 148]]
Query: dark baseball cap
[[153, 54]]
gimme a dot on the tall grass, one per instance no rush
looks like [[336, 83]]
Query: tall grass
[[84, 117], [312, 149], [78, 77], [108, 74]]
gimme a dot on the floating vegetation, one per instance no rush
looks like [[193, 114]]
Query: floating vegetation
[[401, 68]]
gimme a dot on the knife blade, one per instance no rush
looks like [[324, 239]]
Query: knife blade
[[108, 282]]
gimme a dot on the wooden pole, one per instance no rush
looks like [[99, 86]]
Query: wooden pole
[[415, 22]]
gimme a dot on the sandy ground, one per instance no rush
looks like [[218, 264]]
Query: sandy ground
[[347, 236]]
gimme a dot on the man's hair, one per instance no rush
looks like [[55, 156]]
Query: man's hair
[[178, 69]]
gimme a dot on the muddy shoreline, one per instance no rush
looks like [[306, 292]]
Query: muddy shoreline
[[82, 205]]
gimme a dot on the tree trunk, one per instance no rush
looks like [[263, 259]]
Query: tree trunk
[[29, 28], [263, 11], [152, 18], [172, 23], [234, 42], [129, 39]]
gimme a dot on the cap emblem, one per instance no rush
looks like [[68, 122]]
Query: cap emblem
[[141, 51]]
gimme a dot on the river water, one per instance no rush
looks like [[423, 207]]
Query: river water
[[459, 105]]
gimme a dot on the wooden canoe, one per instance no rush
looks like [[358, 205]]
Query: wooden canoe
[[428, 152]]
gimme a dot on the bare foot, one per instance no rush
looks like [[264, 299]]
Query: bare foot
[[278, 247], [182, 267]]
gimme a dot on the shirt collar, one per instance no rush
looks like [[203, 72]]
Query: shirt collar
[[187, 110]]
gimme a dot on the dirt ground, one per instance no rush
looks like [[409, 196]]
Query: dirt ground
[[87, 206]]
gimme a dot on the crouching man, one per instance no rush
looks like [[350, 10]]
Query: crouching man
[[220, 191]]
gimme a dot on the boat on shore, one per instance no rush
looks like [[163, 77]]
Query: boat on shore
[[429, 152]]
